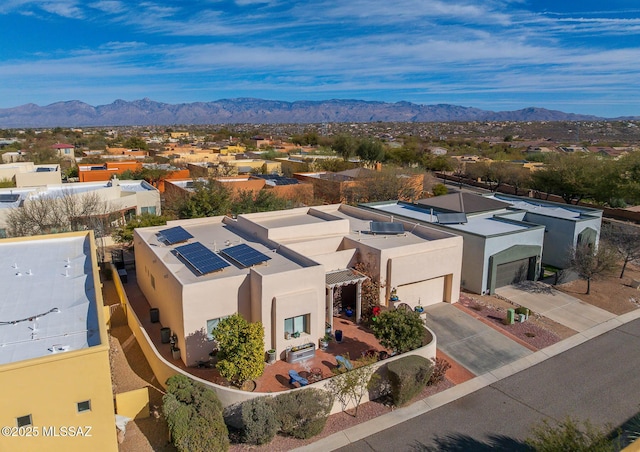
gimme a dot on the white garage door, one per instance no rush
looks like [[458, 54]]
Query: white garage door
[[430, 291]]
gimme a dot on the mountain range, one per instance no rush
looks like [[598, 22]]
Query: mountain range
[[259, 111]]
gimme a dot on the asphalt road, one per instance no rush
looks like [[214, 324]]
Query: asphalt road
[[598, 380]]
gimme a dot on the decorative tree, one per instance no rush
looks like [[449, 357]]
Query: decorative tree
[[370, 291], [350, 386], [124, 234], [400, 330], [241, 349]]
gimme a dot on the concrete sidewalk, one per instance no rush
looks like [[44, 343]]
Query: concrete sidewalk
[[347, 437], [555, 305], [470, 342]]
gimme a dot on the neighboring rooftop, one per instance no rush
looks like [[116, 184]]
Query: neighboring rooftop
[[483, 224], [49, 300], [464, 202], [545, 207]]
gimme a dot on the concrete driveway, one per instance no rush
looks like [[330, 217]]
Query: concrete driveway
[[555, 305], [468, 341]]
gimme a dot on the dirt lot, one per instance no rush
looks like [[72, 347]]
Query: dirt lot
[[611, 293]]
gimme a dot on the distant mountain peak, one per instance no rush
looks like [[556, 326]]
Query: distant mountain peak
[[75, 113]]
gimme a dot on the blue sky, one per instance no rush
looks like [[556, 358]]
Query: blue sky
[[575, 56]]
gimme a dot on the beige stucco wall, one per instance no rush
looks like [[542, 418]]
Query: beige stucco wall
[[208, 300], [276, 297], [35, 179]]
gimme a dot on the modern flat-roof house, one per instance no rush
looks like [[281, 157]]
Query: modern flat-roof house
[[27, 174], [54, 348], [506, 238], [283, 269], [125, 198]]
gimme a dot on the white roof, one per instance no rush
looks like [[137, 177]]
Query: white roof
[[48, 302], [485, 224]]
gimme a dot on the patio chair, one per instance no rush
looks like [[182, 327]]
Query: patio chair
[[344, 362], [294, 377]]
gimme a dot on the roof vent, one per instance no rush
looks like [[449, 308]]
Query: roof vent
[[57, 348]]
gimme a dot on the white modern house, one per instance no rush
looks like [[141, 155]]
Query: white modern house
[[506, 238], [123, 198]]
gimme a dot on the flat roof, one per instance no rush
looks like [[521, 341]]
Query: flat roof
[[214, 235], [58, 190], [485, 224], [48, 302], [546, 208]]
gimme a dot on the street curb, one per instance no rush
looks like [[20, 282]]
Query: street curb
[[365, 429]]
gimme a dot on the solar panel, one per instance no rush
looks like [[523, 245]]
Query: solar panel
[[244, 255], [9, 197], [201, 258], [385, 227], [175, 235], [451, 218]]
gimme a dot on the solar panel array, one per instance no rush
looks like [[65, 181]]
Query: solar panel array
[[276, 179], [451, 218], [201, 258], [384, 227], [244, 255], [9, 197], [175, 235]]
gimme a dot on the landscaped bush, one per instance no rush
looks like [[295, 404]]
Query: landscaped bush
[[259, 419], [302, 414], [194, 416], [440, 367], [399, 330], [407, 377]]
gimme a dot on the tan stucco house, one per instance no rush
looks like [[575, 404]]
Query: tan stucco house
[[187, 271]]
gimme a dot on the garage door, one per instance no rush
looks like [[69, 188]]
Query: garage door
[[430, 291], [512, 272]]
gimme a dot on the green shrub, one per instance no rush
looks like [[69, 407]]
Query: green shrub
[[302, 414], [439, 190], [259, 419], [194, 416], [570, 435], [407, 377], [399, 330]]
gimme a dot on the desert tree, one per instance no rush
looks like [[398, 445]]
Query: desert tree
[[48, 214], [123, 234], [590, 262], [625, 238], [345, 145], [350, 386]]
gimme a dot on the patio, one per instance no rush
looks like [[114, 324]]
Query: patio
[[356, 340]]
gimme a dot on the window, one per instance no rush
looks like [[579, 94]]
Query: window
[[153, 281], [211, 324], [84, 406], [24, 421], [150, 210], [299, 324]]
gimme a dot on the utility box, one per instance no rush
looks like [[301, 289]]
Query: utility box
[[510, 318]]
